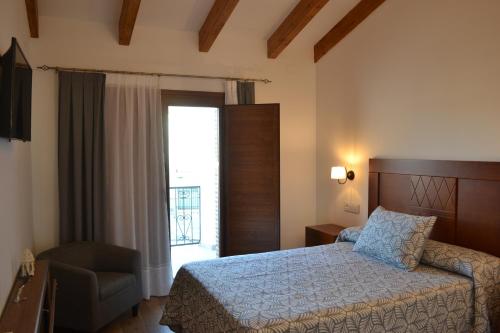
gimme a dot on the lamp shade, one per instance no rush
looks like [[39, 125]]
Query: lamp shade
[[338, 172]]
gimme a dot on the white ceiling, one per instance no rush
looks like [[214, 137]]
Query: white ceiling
[[87, 10], [259, 17]]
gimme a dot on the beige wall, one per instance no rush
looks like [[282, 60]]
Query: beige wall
[[15, 168], [84, 44], [418, 79]]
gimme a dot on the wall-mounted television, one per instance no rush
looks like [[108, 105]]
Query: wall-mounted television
[[15, 94]]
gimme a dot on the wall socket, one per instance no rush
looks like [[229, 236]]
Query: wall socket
[[351, 208]]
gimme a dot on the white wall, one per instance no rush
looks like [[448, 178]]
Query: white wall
[[417, 79], [15, 167], [94, 45]]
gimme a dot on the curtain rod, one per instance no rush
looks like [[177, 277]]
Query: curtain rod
[[85, 70]]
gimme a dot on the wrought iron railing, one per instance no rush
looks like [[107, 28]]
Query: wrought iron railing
[[185, 215]]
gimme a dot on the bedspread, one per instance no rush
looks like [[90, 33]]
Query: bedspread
[[326, 288], [484, 269]]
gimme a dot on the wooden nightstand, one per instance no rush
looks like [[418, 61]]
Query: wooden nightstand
[[322, 234]]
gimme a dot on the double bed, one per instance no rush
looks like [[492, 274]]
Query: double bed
[[332, 288]]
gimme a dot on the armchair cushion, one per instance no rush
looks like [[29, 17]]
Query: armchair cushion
[[111, 283]]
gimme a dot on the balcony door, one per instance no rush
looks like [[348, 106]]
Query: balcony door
[[192, 129], [251, 179], [224, 176]]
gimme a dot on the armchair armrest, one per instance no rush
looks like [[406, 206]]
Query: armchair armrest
[[120, 259], [75, 283]]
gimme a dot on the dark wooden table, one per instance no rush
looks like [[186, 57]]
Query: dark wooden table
[[27, 316]]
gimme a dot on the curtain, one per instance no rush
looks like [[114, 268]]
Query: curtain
[[136, 186], [239, 92], [246, 92], [231, 92], [81, 166]]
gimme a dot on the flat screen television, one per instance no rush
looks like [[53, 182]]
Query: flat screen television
[[15, 94]]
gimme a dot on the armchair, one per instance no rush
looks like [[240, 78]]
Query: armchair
[[96, 282]]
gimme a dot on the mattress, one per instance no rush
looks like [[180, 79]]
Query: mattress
[[326, 288]]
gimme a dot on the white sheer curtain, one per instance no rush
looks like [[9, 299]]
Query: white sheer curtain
[[231, 92], [136, 213]]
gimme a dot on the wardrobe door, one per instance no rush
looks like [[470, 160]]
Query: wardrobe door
[[251, 179]]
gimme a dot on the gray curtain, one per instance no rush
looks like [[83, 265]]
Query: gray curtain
[[81, 158], [246, 92]]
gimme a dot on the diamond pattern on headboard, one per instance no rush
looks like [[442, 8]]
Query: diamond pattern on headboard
[[432, 192], [464, 195]]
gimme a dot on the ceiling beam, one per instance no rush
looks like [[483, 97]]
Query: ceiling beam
[[217, 17], [347, 24], [130, 8], [32, 12], [298, 18]]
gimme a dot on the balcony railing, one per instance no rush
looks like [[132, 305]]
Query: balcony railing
[[185, 215]]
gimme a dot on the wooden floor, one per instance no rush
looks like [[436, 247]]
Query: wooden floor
[[146, 322]]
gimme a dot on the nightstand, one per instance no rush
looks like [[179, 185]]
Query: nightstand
[[322, 234]]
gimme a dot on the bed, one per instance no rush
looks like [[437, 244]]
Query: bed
[[330, 288]]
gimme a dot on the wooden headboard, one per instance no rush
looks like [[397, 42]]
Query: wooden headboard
[[465, 196]]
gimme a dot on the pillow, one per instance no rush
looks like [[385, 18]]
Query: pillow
[[350, 234], [395, 238]]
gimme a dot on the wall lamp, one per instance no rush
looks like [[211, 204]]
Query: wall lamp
[[340, 173]]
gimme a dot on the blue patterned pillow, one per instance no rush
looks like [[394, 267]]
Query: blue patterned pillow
[[395, 238]]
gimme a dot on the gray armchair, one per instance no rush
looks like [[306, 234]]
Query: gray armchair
[[95, 283]]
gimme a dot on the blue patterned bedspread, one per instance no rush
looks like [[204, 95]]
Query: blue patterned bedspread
[[326, 288]]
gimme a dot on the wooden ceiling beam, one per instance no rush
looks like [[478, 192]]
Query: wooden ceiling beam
[[130, 8], [293, 24], [347, 24], [32, 12], [217, 17]]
